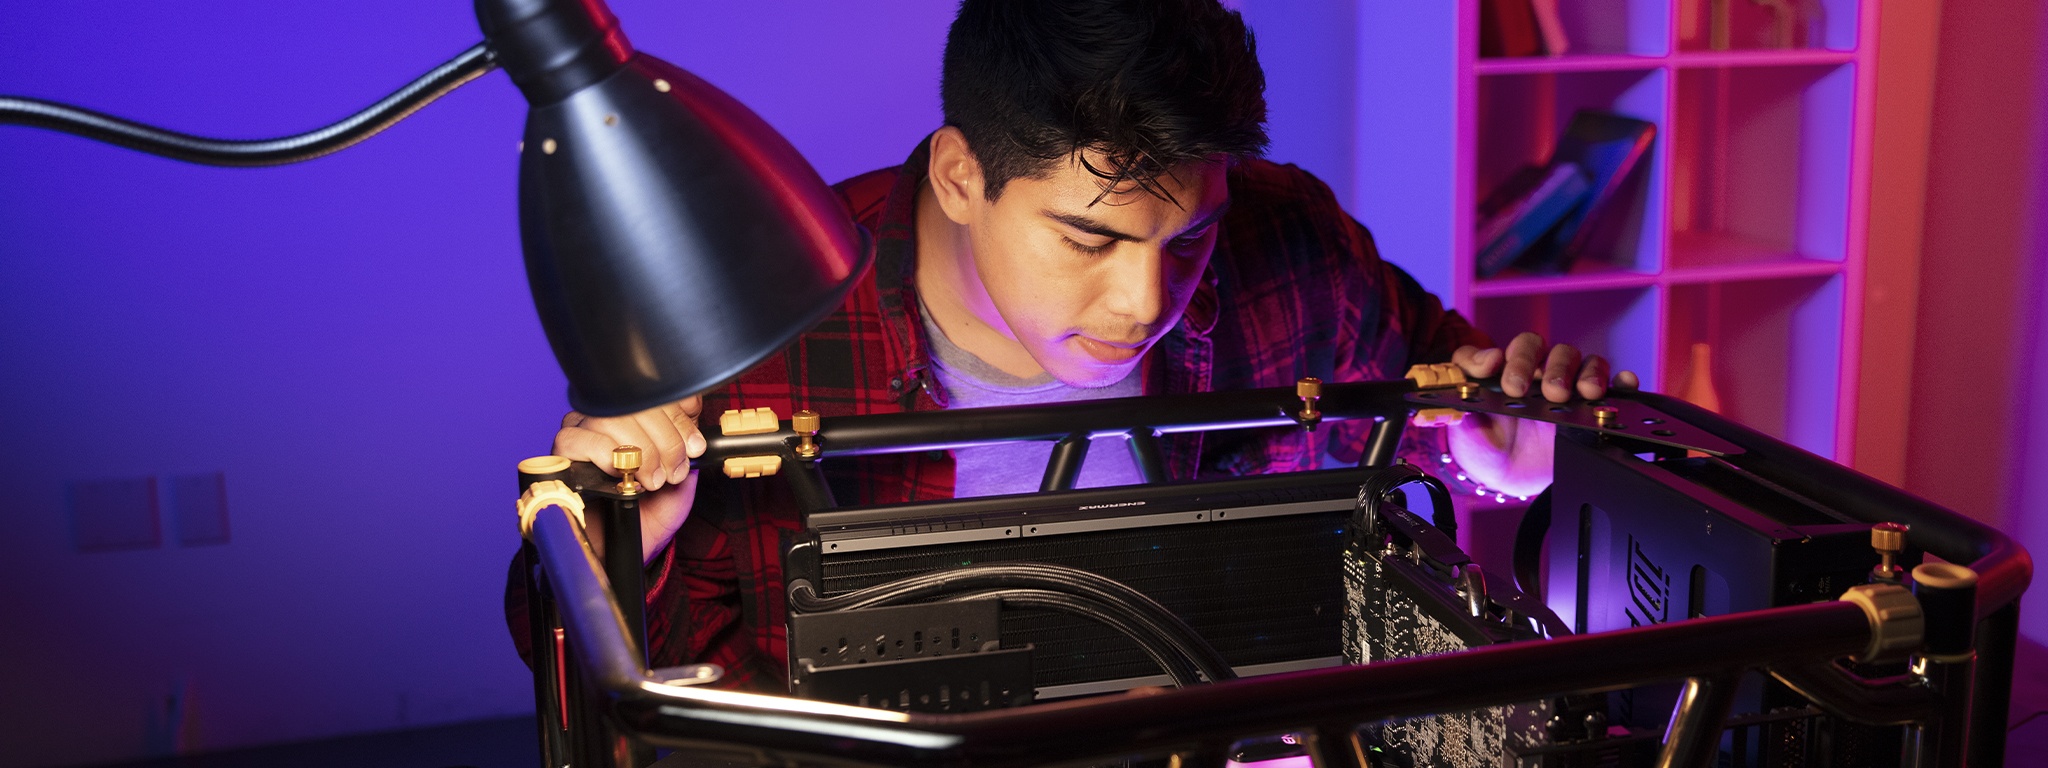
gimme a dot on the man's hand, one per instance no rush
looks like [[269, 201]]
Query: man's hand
[[668, 438], [1514, 456], [1563, 372]]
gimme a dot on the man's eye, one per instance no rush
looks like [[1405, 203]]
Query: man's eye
[[1087, 249]]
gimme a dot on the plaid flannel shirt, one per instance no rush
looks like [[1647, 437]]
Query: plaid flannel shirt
[[1295, 288]]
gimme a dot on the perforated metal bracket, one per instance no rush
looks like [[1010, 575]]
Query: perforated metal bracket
[[1619, 417]]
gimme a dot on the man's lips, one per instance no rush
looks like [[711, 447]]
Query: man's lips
[[1107, 352]]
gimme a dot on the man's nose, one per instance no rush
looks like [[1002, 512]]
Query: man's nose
[[1137, 287]]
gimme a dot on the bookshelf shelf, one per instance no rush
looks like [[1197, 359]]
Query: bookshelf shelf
[[1730, 273], [1762, 58], [1522, 285], [1739, 229], [1525, 65]]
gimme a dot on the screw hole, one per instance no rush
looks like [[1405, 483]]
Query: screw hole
[[1662, 432]]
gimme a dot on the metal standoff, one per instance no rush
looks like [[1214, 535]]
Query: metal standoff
[[626, 459], [805, 424], [1606, 416], [1310, 389], [1469, 391], [1889, 539]]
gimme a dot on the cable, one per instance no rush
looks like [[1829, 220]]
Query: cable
[[1160, 648], [437, 82], [1034, 575], [1379, 489], [1132, 604]]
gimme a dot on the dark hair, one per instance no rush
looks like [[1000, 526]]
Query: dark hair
[[1151, 84]]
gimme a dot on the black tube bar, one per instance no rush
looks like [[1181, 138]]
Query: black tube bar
[[1692, 739], [1889, 701], [624, 568], [807, 481], [610, 657], [1167, 414], [1056, 732], [1991, 702], [1382, 441], [1063, 467], [1145, 452]]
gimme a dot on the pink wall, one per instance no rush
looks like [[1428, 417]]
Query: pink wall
[[1979, 364]]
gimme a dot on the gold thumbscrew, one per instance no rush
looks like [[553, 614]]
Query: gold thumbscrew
[[1310, 389], [1889, 539], [1469, 391], [805, 424], [1605, 416], [626, 459]]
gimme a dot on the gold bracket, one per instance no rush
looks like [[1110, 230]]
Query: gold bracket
[[752, 466], [1441, 375], [752, 421]]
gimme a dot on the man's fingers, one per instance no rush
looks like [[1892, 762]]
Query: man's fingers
[[692, 407], [1521, 366], [1478, 363], [664, 459], [1559, 371], [593, 442], [579, 444], [1593, 378], [1627, 380]]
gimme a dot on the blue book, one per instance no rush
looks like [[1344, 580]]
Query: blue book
[[1524, 210], [1608, 148]]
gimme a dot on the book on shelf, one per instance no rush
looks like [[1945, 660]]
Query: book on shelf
[[1525, 208], [1551, 26], [1609, 148], [1508, 28]]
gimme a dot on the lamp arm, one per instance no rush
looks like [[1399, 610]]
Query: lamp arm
[[467, 66]]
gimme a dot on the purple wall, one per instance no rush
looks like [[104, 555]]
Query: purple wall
[[346, 343], [1984, 278]]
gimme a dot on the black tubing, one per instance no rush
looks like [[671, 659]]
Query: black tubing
[[249, 153], [1073, 581]]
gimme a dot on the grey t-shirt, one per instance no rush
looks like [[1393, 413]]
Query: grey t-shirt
[[1019, 467]]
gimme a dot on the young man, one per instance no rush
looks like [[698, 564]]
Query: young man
[[1092, 221]]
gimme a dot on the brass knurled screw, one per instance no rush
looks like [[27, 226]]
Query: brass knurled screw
[[1889, 539], [1310, 389], [1605, 416], [626, 459], [805, 425]]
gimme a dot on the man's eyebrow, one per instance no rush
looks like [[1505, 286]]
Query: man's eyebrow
[[1100, 229]]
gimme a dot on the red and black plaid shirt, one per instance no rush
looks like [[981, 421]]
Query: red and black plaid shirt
[[1295, 288]]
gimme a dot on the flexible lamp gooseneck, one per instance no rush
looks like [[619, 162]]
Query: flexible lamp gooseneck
[[672, 238]]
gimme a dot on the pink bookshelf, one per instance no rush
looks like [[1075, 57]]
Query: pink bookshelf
[[1741, 228]]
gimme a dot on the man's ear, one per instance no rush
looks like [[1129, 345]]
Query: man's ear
[[955, 175]]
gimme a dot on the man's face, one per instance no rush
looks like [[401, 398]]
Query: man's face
[[1087, 282]]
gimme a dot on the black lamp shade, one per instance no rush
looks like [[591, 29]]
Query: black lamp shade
[[673, 239]]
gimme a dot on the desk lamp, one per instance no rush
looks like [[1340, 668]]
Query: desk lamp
[[672, 238]]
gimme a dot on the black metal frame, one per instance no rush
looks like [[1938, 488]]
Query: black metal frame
[[1955, 703]]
